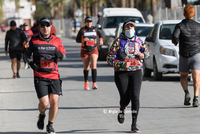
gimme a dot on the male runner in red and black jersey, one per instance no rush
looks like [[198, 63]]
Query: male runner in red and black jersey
[[29, 35], [46, 48], [89, 52]]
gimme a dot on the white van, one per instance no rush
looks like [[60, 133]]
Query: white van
[[110, 19]]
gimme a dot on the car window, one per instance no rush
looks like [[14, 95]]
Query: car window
[[154, 33], [112, 22], [166, 31], [142, 30], [151, 32]]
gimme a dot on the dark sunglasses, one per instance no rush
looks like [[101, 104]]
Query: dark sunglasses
[[43, 25]]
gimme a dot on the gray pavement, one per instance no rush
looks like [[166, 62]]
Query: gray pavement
[[94, 111]]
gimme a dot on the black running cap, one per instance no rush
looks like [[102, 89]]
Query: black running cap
[[42, 20], [12, 23], [25, 24], [88, 19]]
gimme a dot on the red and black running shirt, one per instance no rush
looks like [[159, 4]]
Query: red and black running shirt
[[44, 55], [28, 34], [91, 33]]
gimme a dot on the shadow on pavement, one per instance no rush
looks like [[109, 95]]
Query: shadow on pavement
[[93, 131], [5, 57], [81, 78], [21, 133], [33, 109], [117, 107], [11, 77], [171, 107], [69, 108], [165, 78]]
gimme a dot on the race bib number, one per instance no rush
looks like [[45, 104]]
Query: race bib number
[[133, 62], [46, 64], [89, 43]]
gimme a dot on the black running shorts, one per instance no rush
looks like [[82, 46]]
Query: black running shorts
[[44, 86], [15, 54]]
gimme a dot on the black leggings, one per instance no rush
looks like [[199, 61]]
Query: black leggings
[[129, 85]]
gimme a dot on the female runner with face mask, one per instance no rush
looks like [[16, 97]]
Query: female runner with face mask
[[125, 56]]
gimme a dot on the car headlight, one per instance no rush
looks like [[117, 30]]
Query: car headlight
[[167, 51]]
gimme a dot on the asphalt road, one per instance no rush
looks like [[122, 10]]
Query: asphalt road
[[95, 111]]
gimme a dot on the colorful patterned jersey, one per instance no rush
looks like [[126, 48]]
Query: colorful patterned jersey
[[124, 49]]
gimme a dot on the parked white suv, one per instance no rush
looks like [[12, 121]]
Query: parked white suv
[[164, 55], [110, 19]]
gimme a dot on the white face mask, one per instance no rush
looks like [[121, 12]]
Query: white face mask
[[130, 33]]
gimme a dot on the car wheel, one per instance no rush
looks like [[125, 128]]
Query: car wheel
[[146, 71], [157, 75]]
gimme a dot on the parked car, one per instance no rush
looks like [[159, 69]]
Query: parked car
[[164, 56], [110, 20], [141, 29]]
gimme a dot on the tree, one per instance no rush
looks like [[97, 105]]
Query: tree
[[43, 9], [131, 3], [1, 11], [154, 9], [123, 3]]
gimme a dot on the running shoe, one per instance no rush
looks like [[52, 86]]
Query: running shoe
[[195, 103], [121, 117], [50, 129], [14, 75], [94, 86], [187, 99], [40, 123], [134, 129], [18, 76], [26, 66], [86, 87]]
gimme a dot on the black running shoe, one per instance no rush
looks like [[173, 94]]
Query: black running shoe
[[40, 123], [18, 76], [134, 129], [50, 129], [121, 116], [195, 103], [187, 99]]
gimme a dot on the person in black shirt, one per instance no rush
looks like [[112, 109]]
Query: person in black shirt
[[186, 34], [15, 39]]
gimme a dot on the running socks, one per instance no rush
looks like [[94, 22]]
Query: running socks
[[94, 75], [85, 72], [50, 123], [195, 97], [186, 91]]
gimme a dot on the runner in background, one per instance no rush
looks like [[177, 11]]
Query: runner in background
[[29, 35], [15, 39], [35, 29], [89, 52], [3, 29], [53, 29]]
